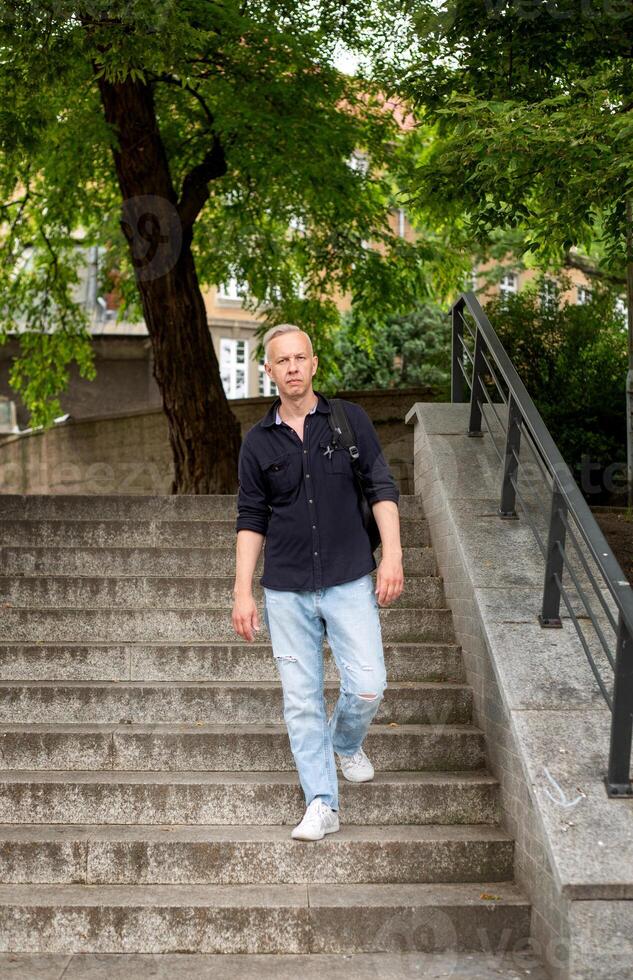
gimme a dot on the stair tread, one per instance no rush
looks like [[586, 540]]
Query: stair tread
[[237, 728], [146, 498], [171, 546], [180, 608], [219, 833], [113, 576], [283, 895], [222, 777], [405, 965], [209, 685], [203, 644]]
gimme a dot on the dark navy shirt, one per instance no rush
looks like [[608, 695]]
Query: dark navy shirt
[[302, 497]]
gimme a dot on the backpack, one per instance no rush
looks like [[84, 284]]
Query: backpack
[[344, 436]]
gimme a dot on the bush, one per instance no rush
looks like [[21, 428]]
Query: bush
[[401, 352], [573, 360]]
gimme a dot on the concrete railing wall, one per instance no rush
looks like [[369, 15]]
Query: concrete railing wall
[[130, 452], [544, 718]]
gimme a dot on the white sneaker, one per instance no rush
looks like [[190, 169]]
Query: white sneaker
[[357, 768], [319, 820]]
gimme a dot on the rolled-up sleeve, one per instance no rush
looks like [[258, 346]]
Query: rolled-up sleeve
[[378, 481], [253, 512]]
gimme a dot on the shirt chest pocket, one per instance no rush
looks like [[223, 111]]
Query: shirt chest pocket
[[336, 460], [282, 473]]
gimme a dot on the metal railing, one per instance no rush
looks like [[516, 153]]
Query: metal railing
[[480, 363]]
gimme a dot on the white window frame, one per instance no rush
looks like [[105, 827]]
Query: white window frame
[[548, 293], [359, 161], [509, 284], [233, 290], [266, 386], [297, 223], [583, 295], [234, 366]]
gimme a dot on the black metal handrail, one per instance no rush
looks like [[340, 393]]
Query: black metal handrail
[[489, 360]]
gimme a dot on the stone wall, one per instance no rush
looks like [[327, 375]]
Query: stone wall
[[544, 718], [124, 380], [129, 452]]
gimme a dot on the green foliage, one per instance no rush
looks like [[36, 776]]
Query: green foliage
[[397, 352], [573, 362], [533, 111], [258, 79]]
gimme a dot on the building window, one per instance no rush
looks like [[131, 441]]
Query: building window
[[359, 162], [266, 385], [297, 223], [234, 367], [621, 307], [548, 294], [583, 295], [402, 223], [509, 284], [233, 289]]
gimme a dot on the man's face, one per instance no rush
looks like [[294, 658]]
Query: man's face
[[291, 364]]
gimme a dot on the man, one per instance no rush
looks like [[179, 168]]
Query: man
[[297, 490]]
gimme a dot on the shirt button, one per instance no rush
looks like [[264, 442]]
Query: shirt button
[[305, 452], [314, 527], [316, 552], [307, 476], [310, 501]]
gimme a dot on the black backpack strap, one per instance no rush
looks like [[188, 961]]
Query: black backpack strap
[[343, 433], [344, 436]]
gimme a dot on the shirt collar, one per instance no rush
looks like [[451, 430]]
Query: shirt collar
[[272, 415], [278, 419]]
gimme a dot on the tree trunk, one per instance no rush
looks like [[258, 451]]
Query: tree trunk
[[629, 376], [203, 432]]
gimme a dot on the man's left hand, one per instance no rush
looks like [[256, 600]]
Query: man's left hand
[[389, 580]]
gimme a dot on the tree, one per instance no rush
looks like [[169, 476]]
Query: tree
[[397, 352], [532, 105], [572, 358], [226, 133]]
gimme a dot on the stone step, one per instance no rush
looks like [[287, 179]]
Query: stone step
[[134, 507], [470, 965], [61, 624], [168, 561], [247, 854], [229, 747], [204, 661], [240, 798], [143, 533], [153, 591], [224, 702], [261, 918]]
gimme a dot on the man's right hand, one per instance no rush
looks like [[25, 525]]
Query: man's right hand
[[245, 617]]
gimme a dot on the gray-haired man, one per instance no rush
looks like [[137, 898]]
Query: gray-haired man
[[297, 491]]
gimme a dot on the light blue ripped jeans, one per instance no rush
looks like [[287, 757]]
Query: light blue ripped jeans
[[297, 623]]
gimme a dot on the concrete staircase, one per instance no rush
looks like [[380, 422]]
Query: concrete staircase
[[147, 789]]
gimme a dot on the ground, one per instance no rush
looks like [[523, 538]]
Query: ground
[[617, 527]]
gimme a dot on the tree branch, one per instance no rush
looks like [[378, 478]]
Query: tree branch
[[195, 186], [8, 246], [195, 189], [171, 80]]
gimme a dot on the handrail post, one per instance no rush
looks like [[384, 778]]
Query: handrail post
[[476, 387], [550, 612], [507, 508], [618, 779], [457, 352]]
